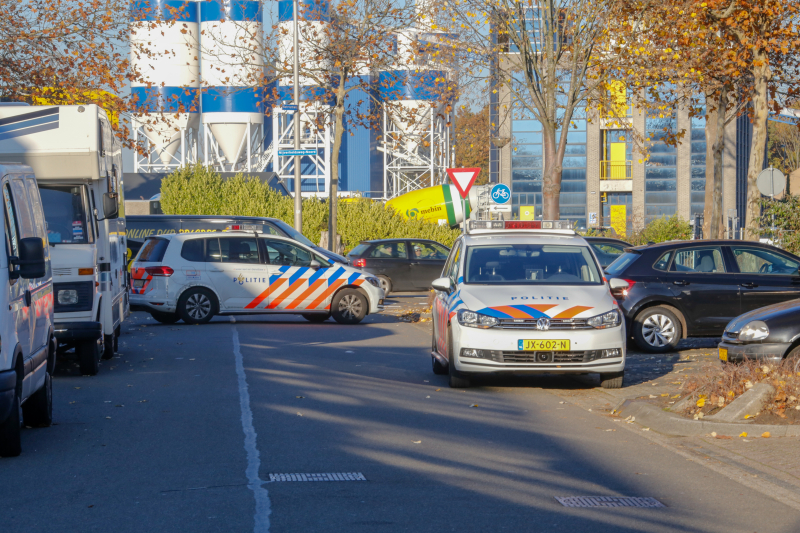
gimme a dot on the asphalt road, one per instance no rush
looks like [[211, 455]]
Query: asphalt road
[[184, 429]]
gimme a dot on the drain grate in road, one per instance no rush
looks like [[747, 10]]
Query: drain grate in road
[[608, 501], [335, 476]]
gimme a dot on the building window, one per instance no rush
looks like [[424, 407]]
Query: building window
[[698, 177], [660, 176]]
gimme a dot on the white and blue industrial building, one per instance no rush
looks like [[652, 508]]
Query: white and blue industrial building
[[198, 106]]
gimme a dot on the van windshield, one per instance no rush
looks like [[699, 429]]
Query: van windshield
[[65, 213]]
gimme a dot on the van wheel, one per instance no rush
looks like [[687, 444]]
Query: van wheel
[[38, 410], [89, 357], [11, 430], [165, 318], [349, 306], [197, 306], [316, 317], [457, 379], [657, 330], [108, 347]]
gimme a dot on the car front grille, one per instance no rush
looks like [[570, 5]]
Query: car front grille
[[550, 357], [85, 296], [555, 323]]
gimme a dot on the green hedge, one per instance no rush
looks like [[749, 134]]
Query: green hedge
[[200, 191]]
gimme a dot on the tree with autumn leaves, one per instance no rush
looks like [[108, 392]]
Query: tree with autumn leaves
[[65, 52], [722, 58]]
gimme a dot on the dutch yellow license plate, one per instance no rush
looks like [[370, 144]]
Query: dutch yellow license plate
[[538, 345], [723, 354]]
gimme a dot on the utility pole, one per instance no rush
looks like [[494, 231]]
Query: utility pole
[[298, 200]]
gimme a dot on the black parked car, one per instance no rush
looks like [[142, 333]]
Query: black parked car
[[770, 333], [606, 249], [140, 227], [681, 289], [401, 264]]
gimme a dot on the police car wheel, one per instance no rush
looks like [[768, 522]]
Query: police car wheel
[[349, 306], [386, 285], [457, 380], [657, 330], [612, 381], [316, 317], [197, 306], [165, 318], [89, 357], [11, 430], [38, 410]]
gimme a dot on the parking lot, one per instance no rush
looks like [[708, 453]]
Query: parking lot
[[198, 428]]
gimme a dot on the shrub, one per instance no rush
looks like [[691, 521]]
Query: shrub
[[780, 221], [661, 230], [200, 191]]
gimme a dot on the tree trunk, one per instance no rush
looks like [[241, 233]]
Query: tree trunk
[[756, 164], [713, 227], [333, 194], [551, 179]]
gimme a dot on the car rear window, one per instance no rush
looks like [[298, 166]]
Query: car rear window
[[621, 263], [192, 250], [359, 250], [153, 251]]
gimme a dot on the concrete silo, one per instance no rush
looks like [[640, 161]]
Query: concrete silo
[[232, 65], [165, 50]]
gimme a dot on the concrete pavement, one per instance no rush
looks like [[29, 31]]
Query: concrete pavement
[[158, 442]]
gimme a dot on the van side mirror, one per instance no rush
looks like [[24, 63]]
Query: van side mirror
[[110, 205], [442, 284], [30, 261]]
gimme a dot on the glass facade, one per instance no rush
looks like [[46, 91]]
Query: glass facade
[[527, 165], [661, 169], [698, 164]]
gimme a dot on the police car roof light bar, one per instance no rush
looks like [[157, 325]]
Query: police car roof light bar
[[520, 224]]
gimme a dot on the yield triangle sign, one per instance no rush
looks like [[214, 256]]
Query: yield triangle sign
[[463, 178]]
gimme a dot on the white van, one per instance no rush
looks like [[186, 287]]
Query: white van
[[27, 341], [77, 162]]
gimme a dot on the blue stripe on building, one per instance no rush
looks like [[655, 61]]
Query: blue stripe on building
[[232, 10], [168, 99], [164, 10], [232, 100]]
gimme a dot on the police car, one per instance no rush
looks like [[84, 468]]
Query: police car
[[525, 297], [192, 277]]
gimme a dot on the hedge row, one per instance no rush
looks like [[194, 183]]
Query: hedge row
[[200, 191]]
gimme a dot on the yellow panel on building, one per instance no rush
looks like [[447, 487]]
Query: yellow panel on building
[[619, 219], [527, 212]]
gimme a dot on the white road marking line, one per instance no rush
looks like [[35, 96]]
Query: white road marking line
[[250, 443]]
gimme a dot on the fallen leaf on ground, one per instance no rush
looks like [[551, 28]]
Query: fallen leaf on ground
[[474, 405], [744, 434], [766, 435], [417, 442], [723, 437]]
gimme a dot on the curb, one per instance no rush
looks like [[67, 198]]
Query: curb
[[667, 423]]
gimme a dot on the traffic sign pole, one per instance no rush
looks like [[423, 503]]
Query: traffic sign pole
[[463, 179]]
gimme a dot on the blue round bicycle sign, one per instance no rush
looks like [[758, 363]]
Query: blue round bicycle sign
[[501, 194]]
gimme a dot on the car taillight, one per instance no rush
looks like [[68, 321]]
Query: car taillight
[[159, 271], [621, 292], [360, 263]]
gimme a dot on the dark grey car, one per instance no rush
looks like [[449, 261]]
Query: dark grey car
[[770, 333]]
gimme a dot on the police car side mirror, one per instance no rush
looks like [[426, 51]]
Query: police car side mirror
[[442, 284], [314, 264], [617, 284]]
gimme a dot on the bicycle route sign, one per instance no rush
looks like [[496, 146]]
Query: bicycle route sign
[[501, 194]]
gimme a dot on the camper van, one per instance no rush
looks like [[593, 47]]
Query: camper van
[[77, 161]]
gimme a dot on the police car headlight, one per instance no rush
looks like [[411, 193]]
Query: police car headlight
[[476, 320], [375, 281], [754, 331], [606, 320]]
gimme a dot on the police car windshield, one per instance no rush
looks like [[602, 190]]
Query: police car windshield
[[531, 264]]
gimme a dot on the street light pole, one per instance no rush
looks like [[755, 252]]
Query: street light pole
[[298, 201]]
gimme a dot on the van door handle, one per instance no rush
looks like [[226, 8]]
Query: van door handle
[[680, 282], [749, 285], [28, 298]]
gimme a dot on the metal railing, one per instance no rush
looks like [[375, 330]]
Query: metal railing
[[615, 170]]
